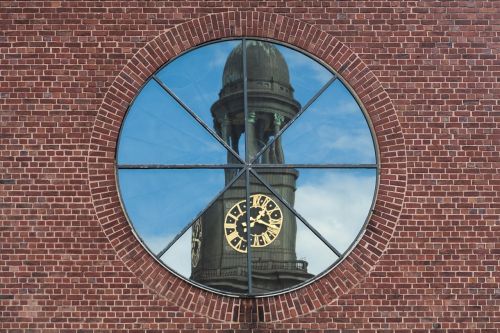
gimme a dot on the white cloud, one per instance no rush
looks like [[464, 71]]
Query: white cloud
[[219, 55], [178, 257], [336, 205], [300, 63], [342, 106], [328, 142], [355, 141]]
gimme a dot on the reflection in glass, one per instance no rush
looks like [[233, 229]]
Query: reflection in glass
[[271, 102], [311, 250], [196, 76], [157, 130], [177, 256], [274, 233], [161, 202], [307, 76], [222, 260], [196, 79], [267, 247], [335, 202], [332, 130]]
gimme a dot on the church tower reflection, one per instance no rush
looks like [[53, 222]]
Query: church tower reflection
[[222, 262]]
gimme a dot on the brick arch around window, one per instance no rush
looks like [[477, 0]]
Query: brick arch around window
[[324, 291]]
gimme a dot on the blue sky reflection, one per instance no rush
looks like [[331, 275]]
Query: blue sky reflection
[[157, 130], [332, 130], [196, 77], [306, 75], [161, 202]]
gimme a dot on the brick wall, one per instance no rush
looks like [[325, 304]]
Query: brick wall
[[427, 73]]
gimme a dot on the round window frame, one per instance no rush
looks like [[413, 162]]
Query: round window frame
[[356, 239], [130, 257]]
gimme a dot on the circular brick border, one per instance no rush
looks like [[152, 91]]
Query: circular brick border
[[101, 166]]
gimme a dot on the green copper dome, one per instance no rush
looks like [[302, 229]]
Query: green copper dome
[[266, 69]]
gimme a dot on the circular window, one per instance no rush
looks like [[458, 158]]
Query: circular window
[[246, 167]]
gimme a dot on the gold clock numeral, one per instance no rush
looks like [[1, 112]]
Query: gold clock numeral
[[266, 201], [196, 238], [255, 200], [232, 236], [273, 233], [230, 217], [274, 221], [267, 239], [274, 210], [238, 243]]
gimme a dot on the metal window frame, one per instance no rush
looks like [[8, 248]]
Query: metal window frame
[[248, 169]]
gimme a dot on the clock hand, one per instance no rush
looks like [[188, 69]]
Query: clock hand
[[268, 224], [261, 214], [252, 223], [256, 219]]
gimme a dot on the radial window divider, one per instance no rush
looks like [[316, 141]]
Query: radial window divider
[[179, 166], [315, 166], [197, 118], [302, 219], [186, 228], [247, 173], [302, 110]]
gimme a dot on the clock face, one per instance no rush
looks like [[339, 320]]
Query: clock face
[[266, 220], [196, 243]]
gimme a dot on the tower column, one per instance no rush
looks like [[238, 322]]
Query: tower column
[[278, 149], [252, 139]]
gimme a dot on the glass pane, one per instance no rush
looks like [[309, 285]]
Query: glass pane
[[279, 81], [157, 130], [215, 250], [312, 252], [284, 252], [160, 203], [335, 202], [209, 80], [222, 262], [332, 130], [178, 255], [307, 76]]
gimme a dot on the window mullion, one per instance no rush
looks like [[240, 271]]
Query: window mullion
[[249, 231], [195, 116], [247, 173], [317, 166], [178, 166]]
